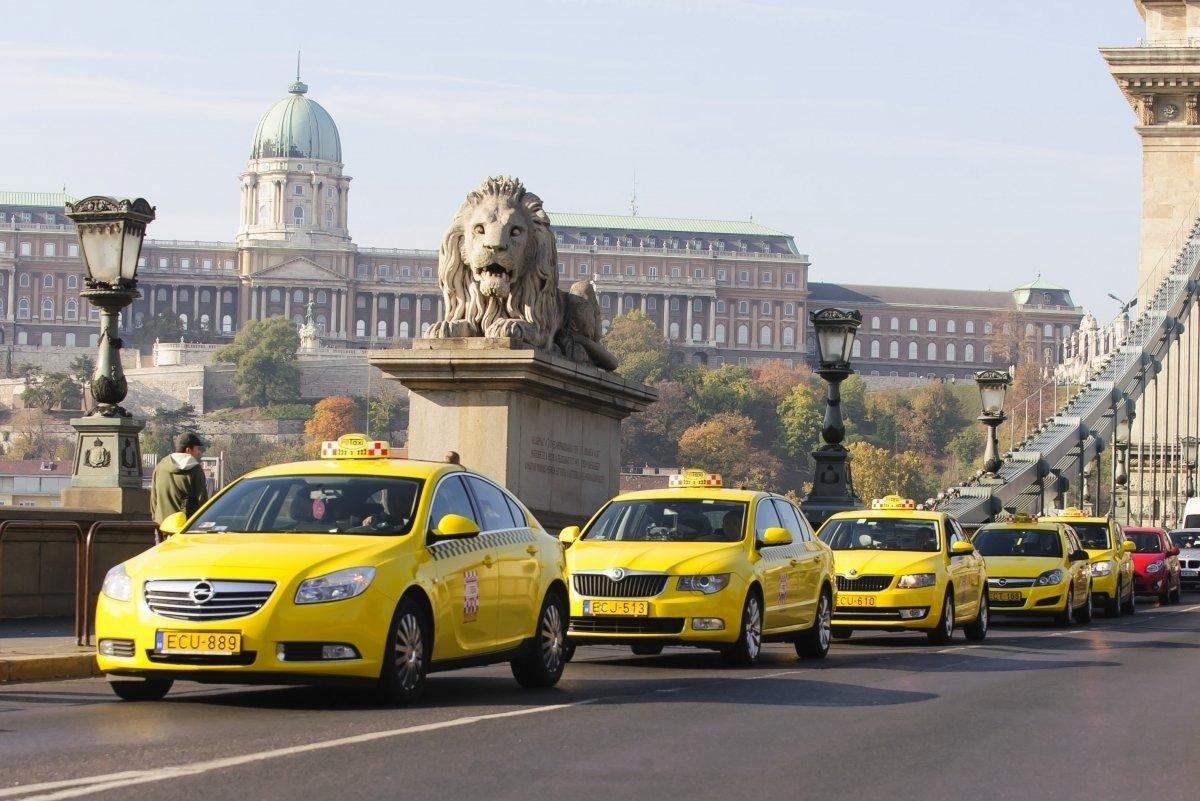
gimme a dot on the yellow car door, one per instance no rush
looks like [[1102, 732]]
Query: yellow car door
[[517, 561], [966, 572], [774, 564], [1081, 576], [806, 564], [465, 577]]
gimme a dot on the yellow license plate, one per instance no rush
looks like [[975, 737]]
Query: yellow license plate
[[203, 643], [1006, 596], [855, 600], [632, 608]]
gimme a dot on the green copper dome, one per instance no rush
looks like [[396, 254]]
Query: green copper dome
[[297, 127]]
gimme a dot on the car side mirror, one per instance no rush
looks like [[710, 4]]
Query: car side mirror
[[173, 523], [962, 548], [775, 535], [453, 525], [1127, 546], [568, 536], [1174, 551], [1079, 556]]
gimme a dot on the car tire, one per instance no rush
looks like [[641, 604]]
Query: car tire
[[839, 633], [646, 649], [745, 652], [814, 643], [542, 663], [1112, 606], [977, 629], [568, 652], [406, 656], [1063, 618], [1130, 606], [944, 632], [1085, 612], [141, 689]]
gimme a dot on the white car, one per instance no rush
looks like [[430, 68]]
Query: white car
[[1188, 542]]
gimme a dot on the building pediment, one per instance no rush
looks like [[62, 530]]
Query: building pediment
[[297, 269]]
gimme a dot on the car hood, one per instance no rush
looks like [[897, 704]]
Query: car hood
[[1021, 566], [276, 556], [1140, 560], [676, 558], [1095, 554], [887, 562]]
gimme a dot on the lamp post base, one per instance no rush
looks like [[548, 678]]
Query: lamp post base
[[108, 466], [833, 488]]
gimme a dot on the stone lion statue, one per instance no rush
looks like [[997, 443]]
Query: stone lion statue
[[498, 271]]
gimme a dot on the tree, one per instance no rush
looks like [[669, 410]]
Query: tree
[[936, 417], [729, 388], [723, 444], [51, 390], [800, 414], [164, 426], [251, 452], [264, 352], [878, 472], [332, 417], [651, 437], [160, 327], [81, 370], [776, 380], [639, 348], [387, 413], [33, 438]]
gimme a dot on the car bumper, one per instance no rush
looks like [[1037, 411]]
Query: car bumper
[[673, 617], [1105, 586], [1033, 600], [361, 623], [893, 609], [1151, 583]]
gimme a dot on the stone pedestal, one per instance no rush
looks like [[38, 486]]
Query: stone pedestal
[[108, 466], [546, 428]]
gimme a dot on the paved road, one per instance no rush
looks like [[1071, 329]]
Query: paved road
[[1103, 712]]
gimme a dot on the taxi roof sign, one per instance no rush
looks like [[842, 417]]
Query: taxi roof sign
[[355, 446], [893, 502], [695, 478], [1073, 511]]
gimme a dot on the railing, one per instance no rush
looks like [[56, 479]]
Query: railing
[[189, 243], [681, 252], [653, 282], [56, 527], [12, 225], [88, 606], [1182, 42]]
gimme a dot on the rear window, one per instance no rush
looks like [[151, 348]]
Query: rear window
[[1092, 535], [1018, 542], [1145, 542]]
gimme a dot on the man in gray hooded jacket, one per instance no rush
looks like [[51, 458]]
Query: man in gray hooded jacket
[[179, 484]]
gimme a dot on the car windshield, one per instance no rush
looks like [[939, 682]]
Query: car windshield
[[1018, 542], [1186, 538], [670, 520], [313, 505], [1145, 542], [880, 534], [1092, 535]]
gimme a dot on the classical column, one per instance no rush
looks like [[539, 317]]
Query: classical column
[[152, 299], [666, 323], [642, 305], [12, 296], [753, 324], [712, 320], [287, 303], [687, 336], [417, 322], [217, 327], [395, 332], [374, 325], [175, 302], [335, 300], [195, 309], [345, 312]]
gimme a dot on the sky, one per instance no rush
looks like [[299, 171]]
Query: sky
[[947, 143]]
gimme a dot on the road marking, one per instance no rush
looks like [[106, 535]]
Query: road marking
[[956, 648]]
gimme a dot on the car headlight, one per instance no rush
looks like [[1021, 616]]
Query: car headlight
[[1050, 577], [707, 584], [914, 580], [117, 584], [1102, 568], [336, 586], [1154, 567]]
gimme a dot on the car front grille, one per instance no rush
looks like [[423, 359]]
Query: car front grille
[[627, 625], [202, 599], [868, 613], [1005, 583], [633, 585], [242, 659], [1190, 564], [863, 583]]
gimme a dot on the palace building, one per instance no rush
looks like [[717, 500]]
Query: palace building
[[721, 291]]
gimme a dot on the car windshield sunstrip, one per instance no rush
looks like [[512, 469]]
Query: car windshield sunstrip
[[380, 505], [670, 520]]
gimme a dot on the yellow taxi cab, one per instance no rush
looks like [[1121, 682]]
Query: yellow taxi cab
[[354, 567], [903, 569], [1036, 568], [698, 564], [1111, 555]]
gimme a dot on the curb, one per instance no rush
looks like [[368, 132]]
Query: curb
[[20, 669]]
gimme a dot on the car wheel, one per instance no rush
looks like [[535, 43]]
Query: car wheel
[[745, 652], [1063, 618], [1130, 606], [944, 632], [646, 649], [406, 657], [841, 633], [1112, 606], [542, 663], [568, 652], [1084, 613], [977, 629], [141, 689], [814, 643]]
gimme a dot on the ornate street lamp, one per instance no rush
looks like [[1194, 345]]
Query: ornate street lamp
[[833, 484], [108, 462], [993, 385], [1190, 447]]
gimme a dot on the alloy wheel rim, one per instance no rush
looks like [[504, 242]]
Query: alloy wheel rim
[[410, 651], [552, 639], [753, 627], [985, 615], [949, 625], [824, 623]]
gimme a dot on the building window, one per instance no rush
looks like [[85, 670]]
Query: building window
[[789, 278], [874, 348], [276, 297], [674, 304], [298, 216], [94, 314], [931, 326], [765, 308], [206, 264], [23, 309], [426, 305], [987, 328], [931, 352], [71, 309], [674, 331], [605, 302], [674, 272], [789, 337], [298, 296], [767, 277], [629, 269], [720, 333], [743, 307], [764, 335], [298, 190], [47, 281], [1066, 331], [47, 309], [720, 307], [697, 304], [856, 349], [697, 332], [163, 262], [405, 303], [697, 273], [912, 324], [895, 324], [1030, 330], [381, 329], [360, 328], [185, 264], [951, 352], [951, 327], [23, 281], [789, 310], [583, 268], [652, 271], [226, 324], [426, 272], [403, 329], [969, 327], [606, 269], [321, 296], [26, 249], [912, 351], [894, 350], [160, 294], [49, 249], [47, 339], [183, 322], [73, 250], [874, 323], [562, 268], [721, 275], [205, 296], [651, 304], [72, 282], [1048, 331], [205, 322], [229, 265], [744, 276], [743, 334]]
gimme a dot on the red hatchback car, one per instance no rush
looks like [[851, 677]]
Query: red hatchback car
[[1155, 563]]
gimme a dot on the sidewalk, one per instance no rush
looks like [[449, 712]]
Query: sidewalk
[[43, 649]]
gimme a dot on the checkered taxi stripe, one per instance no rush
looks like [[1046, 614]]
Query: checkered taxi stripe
[[488, 539]]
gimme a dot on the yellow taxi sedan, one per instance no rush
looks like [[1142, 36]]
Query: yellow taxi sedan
[[903, 569], [353, 568], [1036, 568], [698, 564], [1111, 557]]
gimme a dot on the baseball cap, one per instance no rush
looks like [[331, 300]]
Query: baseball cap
[[189, 440]]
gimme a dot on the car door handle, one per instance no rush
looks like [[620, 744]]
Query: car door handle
[[487, 560], [795, 562], [532, 550]]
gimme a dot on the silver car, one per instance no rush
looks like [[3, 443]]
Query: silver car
[[1188, 542]]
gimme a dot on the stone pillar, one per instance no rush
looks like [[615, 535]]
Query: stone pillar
[[346, 327], [642, 304], [395, 332], [687, 334], [217, 327], [666, 324], [373, 326], [195, 308], [712, 320], [287, 304], [417, 311], [175, 302]]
